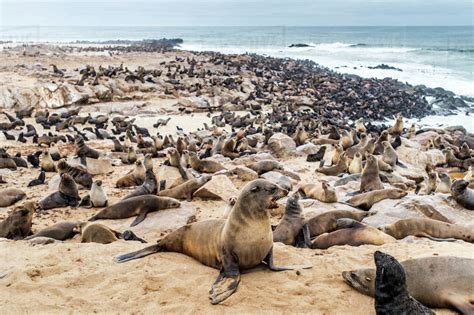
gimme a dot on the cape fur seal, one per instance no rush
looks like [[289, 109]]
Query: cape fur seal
[[79, 173], [10, 196], [327, 222], [337, 169], [240, 242], [18, 224], [366, 200], [60, 231], [370, 179], [67, 195], [463, 195], [447, 283], [186, 189], [424, 227], [149, 187], [96, 233], [291, 224], [391, 293], [204, 166], [138, 206], [7, 163], [135, 178], [97, 197], [83, 150], [47, 163], [353, 233], [321, 191]]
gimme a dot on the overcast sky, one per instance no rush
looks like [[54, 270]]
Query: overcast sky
[[236, 12]]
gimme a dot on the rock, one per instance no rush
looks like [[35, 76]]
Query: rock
[[308, 148], [278, 179], [299, 45], [99, 166], [419, 158], [171, 176], [244, 173], [103, 93], [219, 187], [281, 144]]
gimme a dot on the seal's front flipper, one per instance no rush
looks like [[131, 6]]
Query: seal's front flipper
[[140, 217], [461, 303], [139, 254], [303, 239], [130, 236], [269, 261], [228, 280]]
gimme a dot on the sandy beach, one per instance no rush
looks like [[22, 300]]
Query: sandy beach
[[75, 277]]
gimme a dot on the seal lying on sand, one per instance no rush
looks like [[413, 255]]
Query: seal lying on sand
[[447, 283], [366, 200], [424, 227], [327, 222], [139, 206], [10, 196], [351, 232], [391, 294], [240, 242], [60, 231]]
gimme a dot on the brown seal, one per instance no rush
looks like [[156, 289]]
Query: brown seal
[[6, 162], [47, 163], [174, 159], [370, 179], [60, 231], [463, 194], [83, 150], [138, 206], [337, 169], [96, 233], [67, 195], [338, 150], [10, 196], [149, 186], [240, 242], [204, 166], [346, 140], [366, 200], [135, 178], [353, 233], [389, 155], [364, 140], [228, 149], [79, 173], [397, 128], [355, 167], [321, 191], [424, 227], [326, 222], [18, 224], [391, 293], [186, 189], [443, 183], [129, 157], [447, 283], [264, 166], [291, 224]]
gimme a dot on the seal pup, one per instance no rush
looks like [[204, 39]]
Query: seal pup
[[18, 224], [355, 167], [292, 224], [204, 166], [130, 157], [79, 173], [366, 200], [60, 231], [391, 293], [370, 179], [38, 181], [265, 166], [346, 140], [463, 195], [47, 163], [10, 196], [96, 233], [321, 191], [430, 228], [447, 283], [135, 178], [338, 149], [138, 206], [186, 189], [240, 242], [6, 162], [327, 222], [353, 233], [318, 156], [174, 159], [97, 198], [67, 195], [337, 169], [149, 186], [443, 183]]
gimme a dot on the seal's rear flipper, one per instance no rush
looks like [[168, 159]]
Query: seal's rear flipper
[[303, 239], [140, 217], [139, 254]]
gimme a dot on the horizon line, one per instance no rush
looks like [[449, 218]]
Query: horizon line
[[295, 26]]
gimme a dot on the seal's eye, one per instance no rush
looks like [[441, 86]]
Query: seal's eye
[[273, 189]]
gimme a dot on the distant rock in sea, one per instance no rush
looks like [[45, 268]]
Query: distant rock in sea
[[299, 45], [385, 67]]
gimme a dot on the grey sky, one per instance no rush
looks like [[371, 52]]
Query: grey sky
[[236, 12]]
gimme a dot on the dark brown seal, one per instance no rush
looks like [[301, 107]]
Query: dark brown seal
[[18, 224], [60, 231], [67, 195], [79, 173], [240, 242], [463, 194], [186, 189], [138, 206]]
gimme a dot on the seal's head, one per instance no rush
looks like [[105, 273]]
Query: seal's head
[[259, 194], [390, 277], [363, 280], [459, 186]]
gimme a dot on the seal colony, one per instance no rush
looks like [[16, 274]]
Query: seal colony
[[277, 143]]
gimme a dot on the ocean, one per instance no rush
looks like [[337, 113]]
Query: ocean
[[433, 56]]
